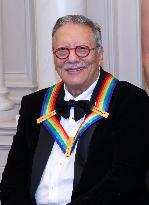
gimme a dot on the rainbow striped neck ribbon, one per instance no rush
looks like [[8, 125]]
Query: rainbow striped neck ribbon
[[98, 112]]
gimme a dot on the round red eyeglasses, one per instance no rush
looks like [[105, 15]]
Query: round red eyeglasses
[[81, 51]]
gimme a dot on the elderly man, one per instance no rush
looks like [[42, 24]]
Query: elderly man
[[85, 140]]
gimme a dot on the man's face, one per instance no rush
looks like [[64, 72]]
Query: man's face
[[77, 73]]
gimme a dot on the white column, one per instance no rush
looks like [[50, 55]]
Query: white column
[[5, 103], [7, 110], [47, 12]]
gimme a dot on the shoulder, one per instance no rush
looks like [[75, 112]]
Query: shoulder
[[128, 87], [32, 104], [126, 90], [127, 96], [38, 95]]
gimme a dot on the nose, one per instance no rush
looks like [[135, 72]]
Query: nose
[[72, 55]]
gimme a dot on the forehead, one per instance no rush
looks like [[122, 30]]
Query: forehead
[[73, 34]]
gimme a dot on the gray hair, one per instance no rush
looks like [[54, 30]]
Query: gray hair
[[80, 19]]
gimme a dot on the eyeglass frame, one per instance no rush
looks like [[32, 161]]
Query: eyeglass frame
[[75, 48]]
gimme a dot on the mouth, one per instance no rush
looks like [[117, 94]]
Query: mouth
[[74, 70]]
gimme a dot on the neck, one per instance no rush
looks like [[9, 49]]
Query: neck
[[77, 90]]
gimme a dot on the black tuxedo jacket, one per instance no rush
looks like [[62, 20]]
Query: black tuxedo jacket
[[147, 180], [111, 160]]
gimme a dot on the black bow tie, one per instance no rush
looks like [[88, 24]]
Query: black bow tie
[[81, 108]]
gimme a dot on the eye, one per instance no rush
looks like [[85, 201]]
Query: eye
[[61, 51], [82, 50]]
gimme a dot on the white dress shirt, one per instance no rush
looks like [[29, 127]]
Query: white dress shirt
[[56, 183]]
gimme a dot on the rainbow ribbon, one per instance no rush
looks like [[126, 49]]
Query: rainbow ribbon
[[99, 111]]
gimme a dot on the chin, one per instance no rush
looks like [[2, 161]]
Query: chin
[[74, 84]]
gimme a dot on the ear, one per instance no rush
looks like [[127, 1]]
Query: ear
[[100, 56]]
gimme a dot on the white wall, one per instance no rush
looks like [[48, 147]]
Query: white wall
[[120, 22]]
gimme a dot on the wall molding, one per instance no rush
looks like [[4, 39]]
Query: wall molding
[[27, 74]]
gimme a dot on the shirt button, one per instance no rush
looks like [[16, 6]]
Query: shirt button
[[72, 118]]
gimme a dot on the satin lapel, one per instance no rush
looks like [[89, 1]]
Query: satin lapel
[[82, 154], [43, 150]]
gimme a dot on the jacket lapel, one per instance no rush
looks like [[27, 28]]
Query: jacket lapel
[[43, 150], [82, 154]]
